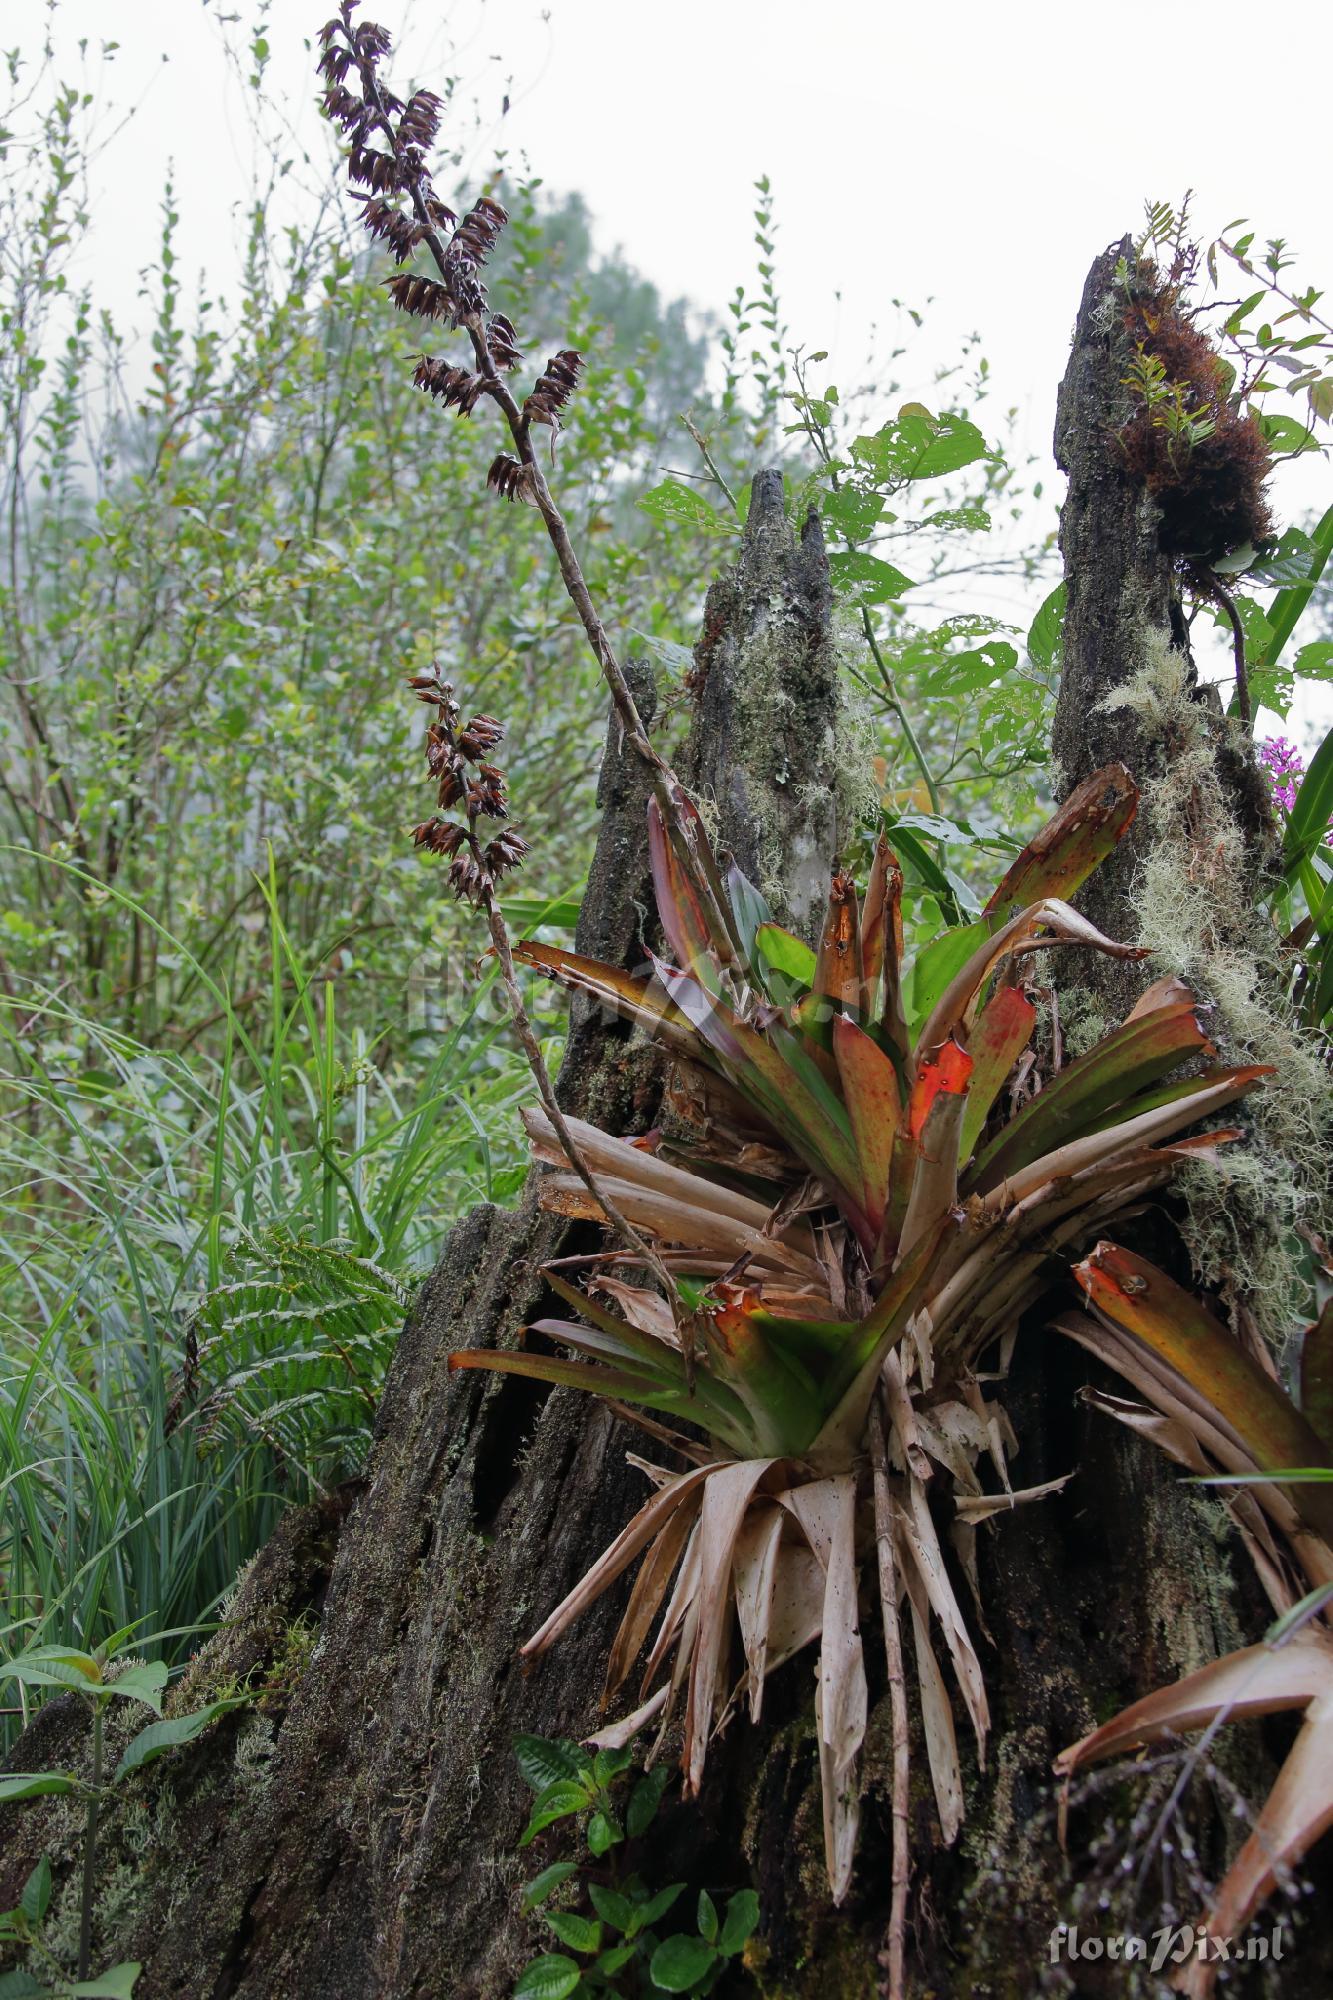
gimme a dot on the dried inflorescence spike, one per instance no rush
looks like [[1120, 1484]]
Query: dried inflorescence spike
[[387, 153], [511, 479], [455, 758]]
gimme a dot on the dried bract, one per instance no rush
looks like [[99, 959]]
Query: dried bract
[[554, 387], [511, 479]]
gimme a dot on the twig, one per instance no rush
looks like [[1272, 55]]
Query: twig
[[1223, 596], [707, 457], [893, 1655]]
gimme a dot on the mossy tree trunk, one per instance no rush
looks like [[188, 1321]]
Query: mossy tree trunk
[[355, 1837]]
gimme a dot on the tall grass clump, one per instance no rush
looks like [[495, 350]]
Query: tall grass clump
[[204, 1260]]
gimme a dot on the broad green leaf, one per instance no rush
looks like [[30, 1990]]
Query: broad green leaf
[[673, 502], [1046, 634], [707, 1917], [1284, 613], [579, 1933], [645, 1799], [1287, 435], [866, 579], [143, 1682], [541, 1760], [658, 1905], [609, 1764], [680, 1962], [34, 1784], [159, 1737], [116, 1983], [975, 519], [786, 953], [20, 1985], [616, 1959], [740, 1923], [1287, 560], [544, 1885], [1131, 1059], [558, 1801], [918, 446], [36, 1896], [550, 1977], [1314, 662], [854, 512], [613, 1908], [972, 670], [54, 1666], [604, 1832], [933, 968]]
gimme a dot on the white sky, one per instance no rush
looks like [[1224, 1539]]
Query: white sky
[[978, 153]]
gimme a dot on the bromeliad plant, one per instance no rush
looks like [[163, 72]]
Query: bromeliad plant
[[863, 1187]]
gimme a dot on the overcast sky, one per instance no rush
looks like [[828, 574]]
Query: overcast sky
[[974, 153]]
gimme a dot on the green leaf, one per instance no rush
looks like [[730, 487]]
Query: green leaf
[[673, 502], [36, 1896], [615, 1909], [973, 669], [740, 1923], [579, 1933], [21, 1985], [543, 1885], [1287, 435], [550, 1977], [1314, 662], [609, 1764], [680, 1962], [645, 1799], [919, 446], [159, 1737], [866, 579], [785, 953], [975, 519], [854, 512], [707, 1916], [616, 1959], [558, 1801], [143, 1682], [658, 1905], [34, 1784], [543, 1762], [116, 1983], [1288, 560], [603, 1832], [934, 967], [54, 1666], [1046, 634], [1284, 613]]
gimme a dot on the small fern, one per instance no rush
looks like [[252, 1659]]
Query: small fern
[[291, 1348]]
